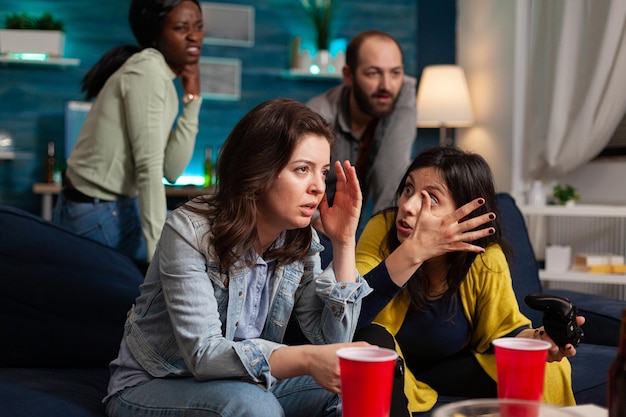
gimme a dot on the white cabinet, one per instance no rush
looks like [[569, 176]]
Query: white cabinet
[[584, 227]]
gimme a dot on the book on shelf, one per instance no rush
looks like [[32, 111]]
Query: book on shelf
[[601, 269], [600, 263]]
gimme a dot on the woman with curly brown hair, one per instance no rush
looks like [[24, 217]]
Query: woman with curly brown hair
[[205, 337]]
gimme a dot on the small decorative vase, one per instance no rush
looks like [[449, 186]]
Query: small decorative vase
[[305, 61], [322, 59], [536, 195]]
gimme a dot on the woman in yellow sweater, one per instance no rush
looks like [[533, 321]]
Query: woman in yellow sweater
[[441, 306]]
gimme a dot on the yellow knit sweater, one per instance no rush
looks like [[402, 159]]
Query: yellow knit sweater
[[489, 305]]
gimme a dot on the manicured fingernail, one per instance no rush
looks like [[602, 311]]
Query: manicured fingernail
[[492, 231], [492, 216], [481, 201]]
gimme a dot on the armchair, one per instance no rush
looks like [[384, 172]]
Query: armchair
[[603, 315]]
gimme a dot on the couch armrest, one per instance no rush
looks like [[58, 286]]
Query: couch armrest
[[603, 315], [64, 297]]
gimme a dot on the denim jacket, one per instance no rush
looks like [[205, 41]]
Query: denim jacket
[[184, 320]]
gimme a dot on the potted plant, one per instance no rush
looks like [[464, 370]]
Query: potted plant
[[320, 12], [565, 195], [26, 34]]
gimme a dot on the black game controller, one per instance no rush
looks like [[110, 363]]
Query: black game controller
[[559, 318]]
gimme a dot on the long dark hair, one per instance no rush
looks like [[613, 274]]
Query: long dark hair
[[255, 152], [146, 21], [468, 177]]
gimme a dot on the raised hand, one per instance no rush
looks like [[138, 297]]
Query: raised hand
[[190, 79], [340, 221], [433, 236]]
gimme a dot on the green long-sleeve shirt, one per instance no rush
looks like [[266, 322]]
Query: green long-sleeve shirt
[[128, 143]]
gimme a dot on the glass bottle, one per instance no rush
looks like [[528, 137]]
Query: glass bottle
[[215, 166], [208, 166], [617, 377], [49, 165]]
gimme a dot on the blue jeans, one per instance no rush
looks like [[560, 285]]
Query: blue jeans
[[163, 397], [114, 223]]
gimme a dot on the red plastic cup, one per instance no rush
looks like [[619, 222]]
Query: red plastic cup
[[521, 365], [366, 380]]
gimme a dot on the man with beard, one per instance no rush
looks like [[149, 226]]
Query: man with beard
[[374, 116]]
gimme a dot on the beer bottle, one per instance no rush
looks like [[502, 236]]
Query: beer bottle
[[617, 376], [49, 166], [208, 166]]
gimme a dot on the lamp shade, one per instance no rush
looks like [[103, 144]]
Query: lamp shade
[[443, 98]]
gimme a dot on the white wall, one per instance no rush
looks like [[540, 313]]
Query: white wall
[[486, 39], [600, 182]]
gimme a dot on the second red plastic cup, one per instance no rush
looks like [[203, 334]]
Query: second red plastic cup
[[366, 380], [521, 365]]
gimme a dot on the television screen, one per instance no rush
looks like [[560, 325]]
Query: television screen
[[75, 114]]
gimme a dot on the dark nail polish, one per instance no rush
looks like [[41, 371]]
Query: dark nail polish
[[492, 231], [481, 201], [541, 333], [492, 216]]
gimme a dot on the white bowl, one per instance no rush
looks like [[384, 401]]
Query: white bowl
[[492, 407]]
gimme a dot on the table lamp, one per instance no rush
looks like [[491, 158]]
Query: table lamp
[[443, 100]]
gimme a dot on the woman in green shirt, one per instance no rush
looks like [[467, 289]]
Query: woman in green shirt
[[113, 190]]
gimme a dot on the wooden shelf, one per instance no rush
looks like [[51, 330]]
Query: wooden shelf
[[7, 155], [303, 75], [577, 276], [187, 190], [46, 188], [50, 62], [579, 210]]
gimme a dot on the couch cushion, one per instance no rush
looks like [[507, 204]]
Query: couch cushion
[[590, 368], [64, 297], [52, 392], [523, 266]]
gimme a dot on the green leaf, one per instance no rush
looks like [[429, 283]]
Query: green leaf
[[24, 21]]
